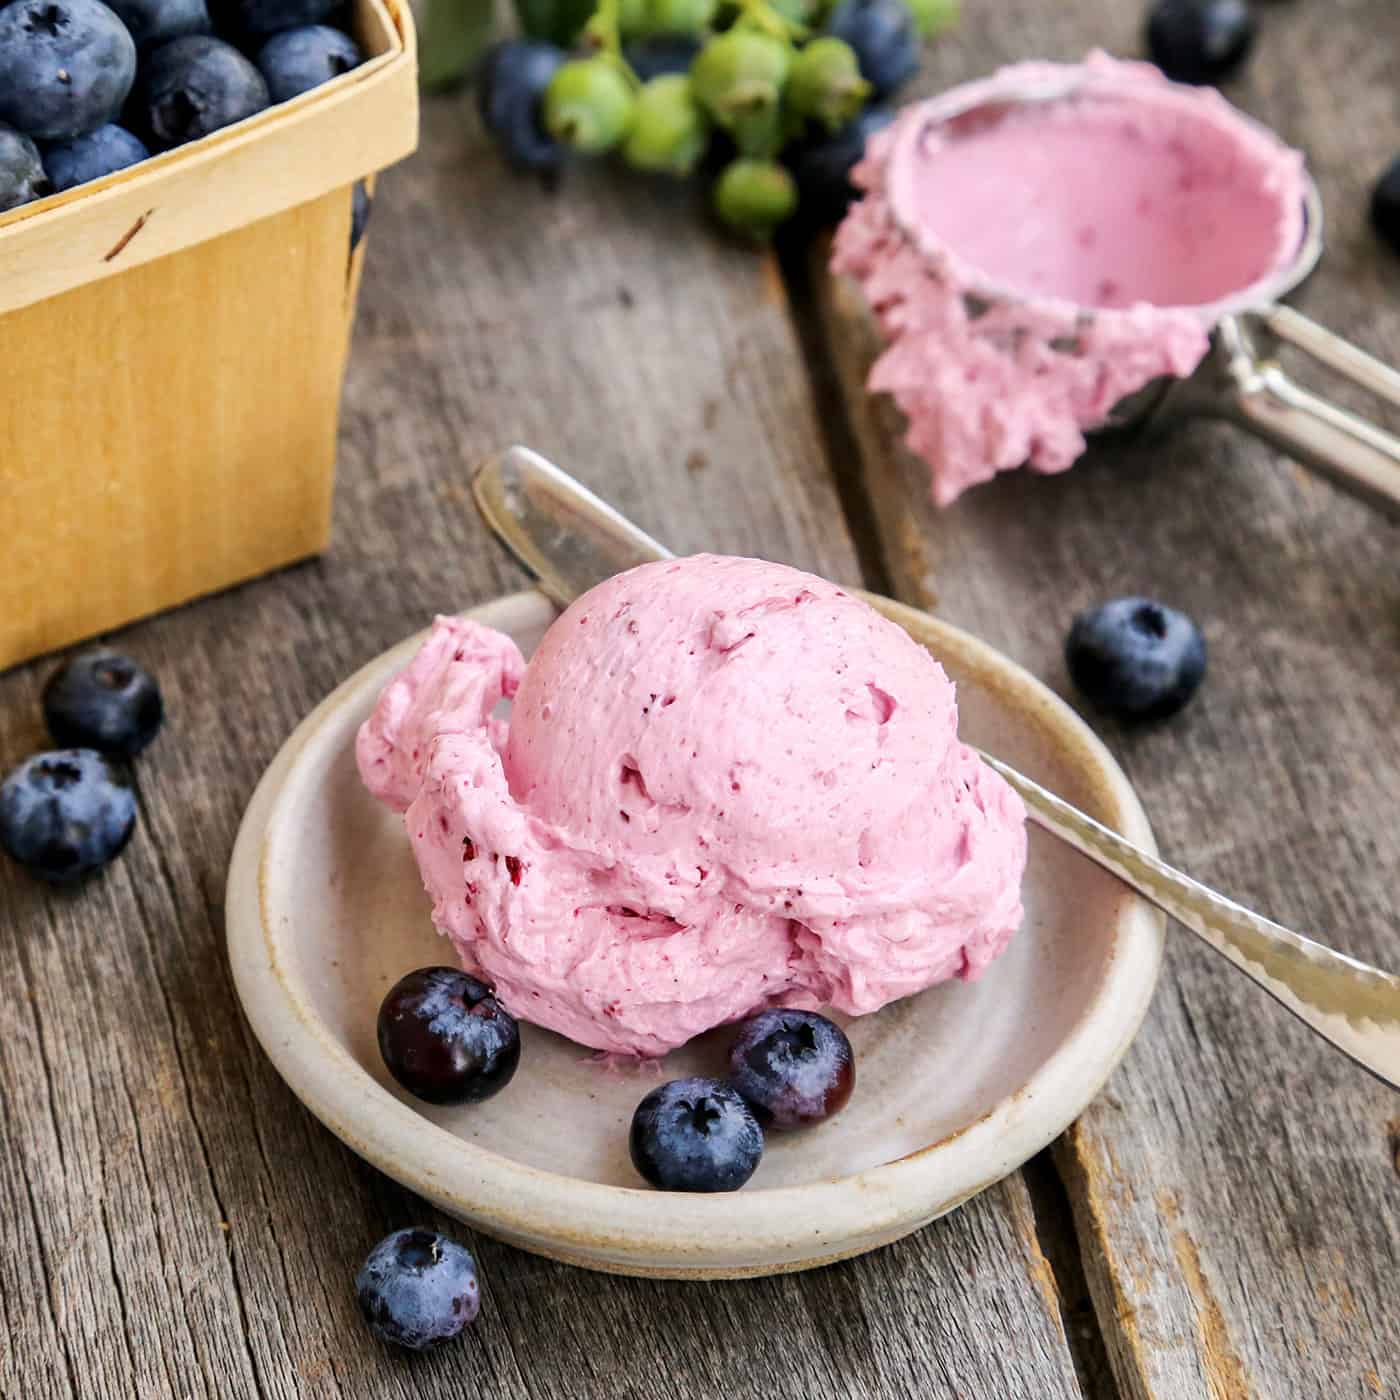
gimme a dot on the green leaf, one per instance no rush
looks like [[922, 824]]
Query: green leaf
[[557, 21], [454, 35]]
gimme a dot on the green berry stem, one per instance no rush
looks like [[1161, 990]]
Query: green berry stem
[[766, 19]]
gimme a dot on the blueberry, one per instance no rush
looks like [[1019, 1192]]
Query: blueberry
[[1385, 206], [1136, 657], [754, 196], [418, 1289], [822, 166], [656, 55], [514, 77], [361, 207], [66, 67], [92, 156], [260, 19], [298, 60], [669, 130], [695, 1135], [794, 1068], [445, 1038], [103, 700], [66, 813], [885, 37], [153, 22], [192, 86], [589, 104], [1199, 41], [22, 176]]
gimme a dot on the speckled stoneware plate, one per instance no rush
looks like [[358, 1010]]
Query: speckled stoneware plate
[[955, 1087]]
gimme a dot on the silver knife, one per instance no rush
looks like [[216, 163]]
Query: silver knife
[[570, 540]]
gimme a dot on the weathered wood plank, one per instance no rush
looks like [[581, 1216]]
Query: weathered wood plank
[[176, 1224], [1234, 1188]]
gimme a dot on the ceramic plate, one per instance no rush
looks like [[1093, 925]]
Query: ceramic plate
[[956, 1087]]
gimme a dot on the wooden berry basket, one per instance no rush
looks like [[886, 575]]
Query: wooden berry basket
[[172, 344]]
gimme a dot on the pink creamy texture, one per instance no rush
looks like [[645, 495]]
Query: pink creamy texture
[[1032, 265], [724, 785]]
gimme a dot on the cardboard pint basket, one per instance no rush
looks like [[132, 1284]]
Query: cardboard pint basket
[[172, 344]]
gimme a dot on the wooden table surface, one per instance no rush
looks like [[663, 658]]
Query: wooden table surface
[[1225, 1219]]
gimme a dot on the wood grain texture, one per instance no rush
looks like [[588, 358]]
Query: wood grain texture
[[1235, 1188], [174, 1223]]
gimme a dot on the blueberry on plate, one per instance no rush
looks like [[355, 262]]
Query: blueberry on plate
[[1136, 657], [1385, 206], [361, 207], [822, 166], [445, 1038], [514, 76], [22, 175], [418, 1289], [794, 1068], [100, 699], [695, 1135], [655, 55], [1199, 41], [298, 60], [885, 38], [66, 67], [153, 22], [192, 86], [66, 813], [90, 157]]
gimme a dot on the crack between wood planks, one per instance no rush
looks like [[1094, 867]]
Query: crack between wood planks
[[50, 1283], [117, 1285], [168, 882], [843, 455], [1059, 1243]]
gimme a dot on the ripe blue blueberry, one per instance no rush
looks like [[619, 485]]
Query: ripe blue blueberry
[[153, 22], [66, 67], [22, 176], [445, 1038], [885, 38], [361, 207], [695, 1135], [1136, 657], [260, 19], [100, 699], [92, 156], [1199, 41], [514, 76], [298, 60], [66, 813], [418, 1289], [655, 55], [822, 166], [794, 1068], [1385, 206], [192, 86]]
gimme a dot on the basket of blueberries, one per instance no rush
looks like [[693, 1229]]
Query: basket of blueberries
[[183, 188]]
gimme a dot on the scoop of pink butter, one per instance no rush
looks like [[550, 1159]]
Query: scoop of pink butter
[[723, 785], [1032, 264]]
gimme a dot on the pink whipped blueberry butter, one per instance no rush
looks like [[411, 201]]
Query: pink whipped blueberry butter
[[1032, 263], [723, 785]]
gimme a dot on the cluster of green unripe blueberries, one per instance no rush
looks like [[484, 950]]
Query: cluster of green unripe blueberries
[[773, 97]]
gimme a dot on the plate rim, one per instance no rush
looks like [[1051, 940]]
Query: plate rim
[[634, 1229]]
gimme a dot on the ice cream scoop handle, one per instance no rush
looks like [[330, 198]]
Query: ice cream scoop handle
[[570, 540], [1355, 1006], [1359, 456]]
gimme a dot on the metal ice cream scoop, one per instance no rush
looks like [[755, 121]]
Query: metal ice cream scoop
[[1241, 379], [570, 540]]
